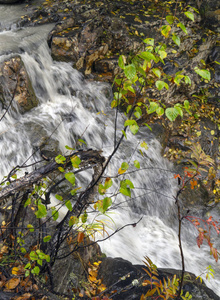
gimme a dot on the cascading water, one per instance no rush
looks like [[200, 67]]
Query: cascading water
[[71, 107]]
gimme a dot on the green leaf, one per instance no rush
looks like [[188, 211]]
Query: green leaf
[[129, 122], [28, 202], [125, 191], [149, 41], [47, 257], [153, 107], [157, 72], [179, 109], [189, 15], [130, 71], [176, 39], [144, 145], [137, 164], [61, 169], [148, 126], [42, 211], [170, 19], [70, 177], [124, 134], [161, 84], [84, 217], [28, 266], [203, 73], [69, 205], [117, 96], [131, 89], [171, 113], [165, 30], [73, 220], [134, 128], [186, 104], [108, 183], [55, 213], [75, 160], [23, 250], [138, 112], [160, 111], [178, 78], [107, 202], [40, 262], [187, 80], [69, 148], [82, 141], [163, 54], [129, 183], [47, 238], [35, 270], [124, 166], [182, 27], [114, 103], [60, 159], [58, 197], [101, 189], [33, 255], [147, 56], [121, 61], [30, 227]]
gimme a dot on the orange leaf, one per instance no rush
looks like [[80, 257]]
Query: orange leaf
[[25, 296], [177, 176], [12, 283], [80, 237], [193, 183]]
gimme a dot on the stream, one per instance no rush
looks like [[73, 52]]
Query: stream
[[70, 108]]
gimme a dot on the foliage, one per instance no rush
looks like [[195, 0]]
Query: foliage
[[160, 289], [140, 72]]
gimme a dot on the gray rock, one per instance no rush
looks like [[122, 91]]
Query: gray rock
[[15, 84]]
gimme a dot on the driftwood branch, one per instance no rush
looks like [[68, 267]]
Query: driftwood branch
[[89, 157]]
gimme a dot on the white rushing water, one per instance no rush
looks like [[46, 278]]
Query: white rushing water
[[71, 107]]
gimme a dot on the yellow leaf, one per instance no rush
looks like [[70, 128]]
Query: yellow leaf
[[120, 171], [15, 271]]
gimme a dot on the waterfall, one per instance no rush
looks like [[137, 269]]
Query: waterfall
[[71, 107]]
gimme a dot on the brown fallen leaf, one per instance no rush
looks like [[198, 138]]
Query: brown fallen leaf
[[12, 283], [25, 296]]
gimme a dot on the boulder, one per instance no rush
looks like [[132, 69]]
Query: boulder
[[15, 86], [126, 280], [9, 1]]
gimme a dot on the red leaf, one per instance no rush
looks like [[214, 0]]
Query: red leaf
[[200, 238]]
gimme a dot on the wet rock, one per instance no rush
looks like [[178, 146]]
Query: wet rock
[[126, 280], [69, 272], [15, 86], [9, 1]]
